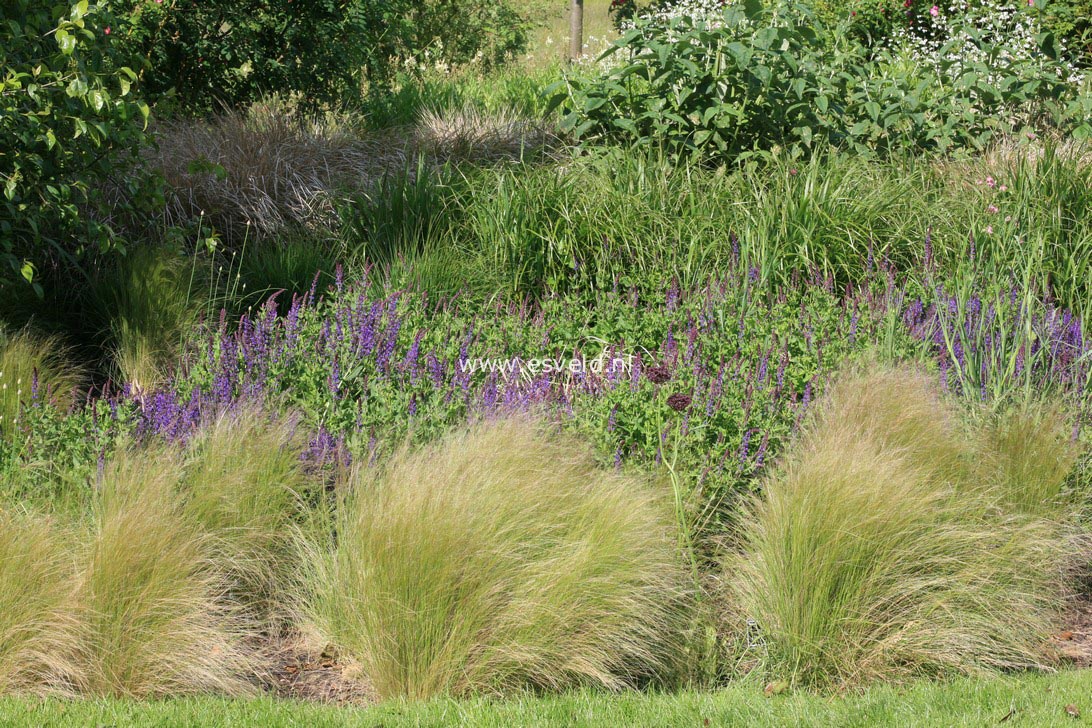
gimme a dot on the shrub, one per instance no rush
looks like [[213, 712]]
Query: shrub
[[1071, 22], [499, 559], [32, 369], [69, 123], [769, 77], [152, 622], [872, 554], [38, 636], [205, 54], [200, 56]]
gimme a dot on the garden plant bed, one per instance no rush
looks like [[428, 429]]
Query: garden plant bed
[[737, 374]]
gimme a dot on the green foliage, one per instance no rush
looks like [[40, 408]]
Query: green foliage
[[146, 304], [205, 54], [1071, 21], [33, 371], [773, 76], [499, 560], [284, 269], [198, 56], [866, 21], [877, 553], [69, 126]]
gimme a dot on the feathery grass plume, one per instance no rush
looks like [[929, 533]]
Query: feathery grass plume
[[31, 367], [147, 307], [1027, 454], [245, 485], [871, 557], [152, 619], [899, 410], [501, 558], [38, 635]]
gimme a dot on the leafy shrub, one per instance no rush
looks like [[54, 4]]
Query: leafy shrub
[[199, 56], [210, 53], [1071, 22], [501, 559], [874, 553], [38, 639], [770, 77], [446, 33], [69, 124], [999, 39]]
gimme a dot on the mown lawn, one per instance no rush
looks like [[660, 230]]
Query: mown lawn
[[1037, 700]]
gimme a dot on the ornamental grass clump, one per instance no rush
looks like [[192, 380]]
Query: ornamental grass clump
[[1027, 454], [149, 599], [32, 369], [38, 639], [501, 558], [245, 485], [880, 549]]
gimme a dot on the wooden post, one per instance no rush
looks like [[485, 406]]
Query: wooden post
[[576, 31]]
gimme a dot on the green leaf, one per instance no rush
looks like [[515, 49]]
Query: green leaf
[[65, 41]]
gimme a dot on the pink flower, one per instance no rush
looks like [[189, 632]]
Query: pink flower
[[934, 11], [992, 209], [106, 30], [989, 229], [991, 182], [1004, 188]]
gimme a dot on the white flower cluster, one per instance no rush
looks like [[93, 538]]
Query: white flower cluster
[[1011, 31], [708, 11]]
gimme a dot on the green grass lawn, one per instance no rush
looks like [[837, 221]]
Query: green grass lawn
[[1037, 700]]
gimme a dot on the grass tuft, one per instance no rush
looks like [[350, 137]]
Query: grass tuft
[[38, 636], [147, 306], [32, 368], [152, 619], [245, 485], [502, 558], [874, 554], [471, 134]]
